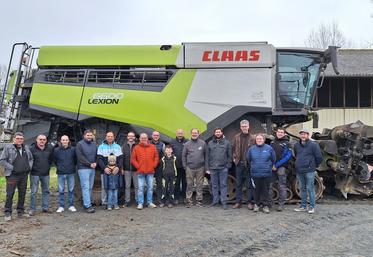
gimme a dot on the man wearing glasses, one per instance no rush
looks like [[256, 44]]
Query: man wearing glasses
[[43, 157], [17, 161]]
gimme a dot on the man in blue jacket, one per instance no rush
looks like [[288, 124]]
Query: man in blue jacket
[[308, 158], [283, 155], [65, 160]]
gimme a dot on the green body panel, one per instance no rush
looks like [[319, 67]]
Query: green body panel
[[11, 83], [65, 98], [107, 56], [163, 111]]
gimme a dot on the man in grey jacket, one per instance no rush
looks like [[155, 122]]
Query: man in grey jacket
[[195, 163], [219, 162], [17, 161]]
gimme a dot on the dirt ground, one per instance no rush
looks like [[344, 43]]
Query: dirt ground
[[338, 228]]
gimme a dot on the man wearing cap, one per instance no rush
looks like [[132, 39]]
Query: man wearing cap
[[308, 158]]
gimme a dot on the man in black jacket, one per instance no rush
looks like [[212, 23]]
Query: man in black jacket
[[129, 172], [65, 160], [158, 170], [43, 157], [177, 145]]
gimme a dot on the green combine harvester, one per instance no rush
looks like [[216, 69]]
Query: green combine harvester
[[65, 89]]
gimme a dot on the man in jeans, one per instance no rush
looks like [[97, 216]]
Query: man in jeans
[[17, 161], [308, 158], [219, 162], [177, 145], [86, 153], [195, 163], [43, 157], [145, 159], [242, 141], [107, 148], [65, 160], [129, 171]]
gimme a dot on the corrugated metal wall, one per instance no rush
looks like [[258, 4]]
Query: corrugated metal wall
[[329, 118]]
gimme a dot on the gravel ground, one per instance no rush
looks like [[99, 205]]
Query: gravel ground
[[338, 228]]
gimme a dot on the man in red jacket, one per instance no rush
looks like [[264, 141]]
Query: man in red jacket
[[145, 159]]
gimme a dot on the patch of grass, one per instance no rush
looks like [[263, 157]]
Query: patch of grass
[[53, 187]]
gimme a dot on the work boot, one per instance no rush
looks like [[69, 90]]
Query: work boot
[[250, 206], [265, 209], [236, 206]]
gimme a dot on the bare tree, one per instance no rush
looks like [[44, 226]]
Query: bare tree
[[327, 35]]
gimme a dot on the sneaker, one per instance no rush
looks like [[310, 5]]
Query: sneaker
[[236, 206], [311, 210], [109, 208], [280, 208], [256, 208], [300, 209], [72, 209], [189, 205], [250, 206], [140, 207], [116, 207], [31, 212], [265, 209], [91, 210], [152, 205], [170, 205], [199, 204], [161, 205], [225, 206], [8, 217], [60, 209], [46, 211], [23, 214], [127, 204]]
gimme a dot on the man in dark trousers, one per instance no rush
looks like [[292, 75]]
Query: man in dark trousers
[[308, 158], [158, 170], [43, 158], [17, 161], [283, 155], [177, 145]]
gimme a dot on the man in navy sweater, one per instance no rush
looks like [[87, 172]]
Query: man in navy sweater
[[308, 158]]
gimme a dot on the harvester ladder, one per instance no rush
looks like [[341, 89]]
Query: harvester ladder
[[23, 72]]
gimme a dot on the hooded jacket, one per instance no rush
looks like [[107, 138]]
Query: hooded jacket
[[282, 150]]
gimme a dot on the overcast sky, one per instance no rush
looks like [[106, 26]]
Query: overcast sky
[[89, 22]]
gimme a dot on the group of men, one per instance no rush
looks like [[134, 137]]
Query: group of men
[[179, 169]]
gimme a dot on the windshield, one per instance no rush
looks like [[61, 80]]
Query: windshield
[[297, 76]]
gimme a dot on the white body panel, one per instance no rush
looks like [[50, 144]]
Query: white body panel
[[215, 91]]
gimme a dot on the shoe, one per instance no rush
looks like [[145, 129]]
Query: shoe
[[170, 205], [127, 204], [199, 204], [116, 207], [140, 207], [225, 206], [311, 210], [236, 206], [266, 209], [91, 210], [250, 206], [213, 205], [280, 208], [109, 208], [300, 209], [23, 214], [161, 205], [188, 205], [176, 202], [256, 208], [46, 211], [60, 209], [152, 205], [31, 212], [8, 217], [72, 209]]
